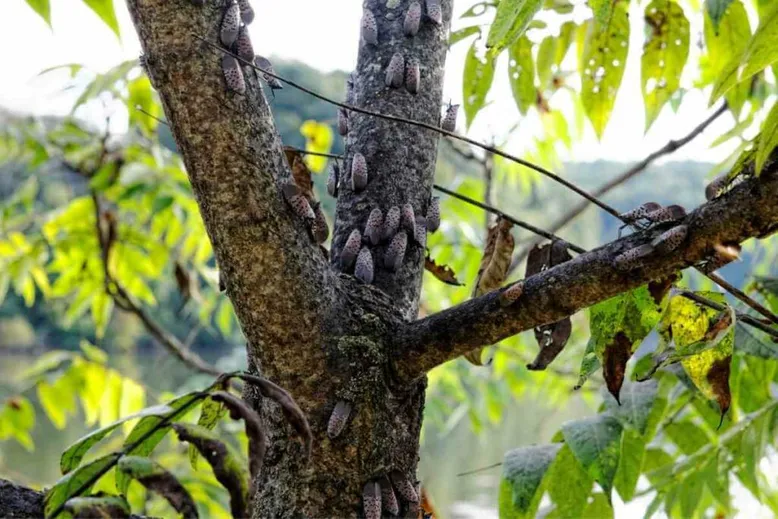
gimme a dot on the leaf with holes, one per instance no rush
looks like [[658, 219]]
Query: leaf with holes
[[523, 472], [512, 19], [521, 72], [596, 443], [476, 82], [664, 54]]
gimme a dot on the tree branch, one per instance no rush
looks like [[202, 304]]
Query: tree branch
[[748, 210]]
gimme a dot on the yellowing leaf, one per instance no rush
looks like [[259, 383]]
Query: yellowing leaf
[[521, 73], [512, 19], [318, 138], [476, 82]]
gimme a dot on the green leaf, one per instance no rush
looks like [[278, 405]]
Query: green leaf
[[93, 353], [73, 455], [43, 9], [602, 10], [141, 96], [603, 61], [76, 483], [154, 477], [768, 139], [477, 80], [210, 414], [664, 55], [753, 343], [716, 10], [521, 72], [49, 397], [688, 436], [523, 471], [637, 401], [599, 508], [46, 363], [105, 10], [103, 506], [461, 34], [596, 443], [589, 364], [17, 418], [633, 449], [512, 19], [568, 484]]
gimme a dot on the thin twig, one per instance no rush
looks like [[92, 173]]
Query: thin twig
[[723, 283], [476, 471], [717, 306], [314, 153]]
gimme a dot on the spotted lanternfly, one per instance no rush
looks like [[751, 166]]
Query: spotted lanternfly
[[412, 75], [388, 499], [512, 294], [395, 251], [332, 179], [342, 121], [233, 75], [321, 230], [373, 226], [639, 212], [369, 28], [391, 223], [350, 250], [404, 487], [222, 283], [716, 186], [409, 219], [633, 258], [420, 232], [243, 47], [433, 214], [395, 71], [412, 19], [434, 12], [669, 240], [358, 172], [338, 419], [230, 25], [264, 64], [449, 122], [371, 500], [298, 202], [363, 270], [666, 214], [246, 12]]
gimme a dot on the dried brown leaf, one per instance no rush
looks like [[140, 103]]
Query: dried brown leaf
[[254, 432], [300, 172], [442, 273]]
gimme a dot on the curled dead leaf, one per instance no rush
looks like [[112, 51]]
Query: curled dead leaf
[[442, 273]]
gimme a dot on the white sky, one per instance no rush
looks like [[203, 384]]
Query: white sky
[[315, 33]]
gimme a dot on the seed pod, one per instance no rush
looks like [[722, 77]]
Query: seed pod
[[243, 47], [716, 186], [420, 232], [363, 270], [369, 28], [373, 226], [298, 202], [434, 12], [395, 71], [350, 249], [512, 294], [433, 214], [321, 230], [358, 172], [639, 212], [230, 25], [395, 251], [633, 258], [388, 499], [246, 12], [371, 500], [404, 487], [391, 223], [669, 240], [409, 219], [332, 179], [412, 75], [412, 19], [342, 122], [233, 75], [338, 419], [666, 214], [449, 122], [264, 64]]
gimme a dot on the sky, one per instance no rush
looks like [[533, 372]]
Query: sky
[[327, 38]]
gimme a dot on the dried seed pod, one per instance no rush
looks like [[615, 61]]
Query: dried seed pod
[[358, 172], [243, 47], [412, 75], [391, 223], [669, 240], [639, 212], [433, 214], [246, 12], [388, 499], [449, 122], [233, 75], [338, 419], [395, 251], [434, 11], [666, 214], [724, 255], [264, 64], [371, 500], [716, 186], [395, 71], [408, 220], [412, 19], [404, 487], [342, 122], [633, 258], [350, 249], [363, 270], [332, 179], [230, 25], [369, 28], [321, 230], [420, 232], [298, 202], [373, 226], [512, 294]]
